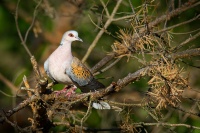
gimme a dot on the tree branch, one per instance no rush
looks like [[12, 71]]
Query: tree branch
[[187, 41], [179, 24], [186, 53], [19, 32], [103, 62], [141, 124], [108, 67], [184, 7], [108, 22]]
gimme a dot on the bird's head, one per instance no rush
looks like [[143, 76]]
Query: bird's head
[[70, 36]]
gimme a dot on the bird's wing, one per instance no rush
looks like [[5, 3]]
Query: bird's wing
[[79, 73], [46, 68]]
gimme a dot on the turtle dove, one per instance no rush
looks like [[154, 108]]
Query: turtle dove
[[64, 68]]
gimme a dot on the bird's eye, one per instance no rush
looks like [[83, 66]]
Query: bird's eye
[[71, 35]]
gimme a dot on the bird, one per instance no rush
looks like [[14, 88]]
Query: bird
[[62, 67]]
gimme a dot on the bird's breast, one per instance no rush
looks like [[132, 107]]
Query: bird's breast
[[57, 69]]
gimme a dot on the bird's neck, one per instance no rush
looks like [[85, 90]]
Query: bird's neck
[[65, 50]]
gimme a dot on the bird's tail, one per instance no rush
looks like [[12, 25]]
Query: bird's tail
[[93, 85]]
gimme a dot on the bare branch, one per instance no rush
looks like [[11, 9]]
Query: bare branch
[[87, 114], [155, 60], [165, 124], [132, 77], [125, 104], [103, 62], [105, 8], [187, 41], [19, 129], [21, 106], [179, 24], [181, 33], [186, 53], [8, 83], [108, 22], [33, 20], [23, 40], [108, 67], [19, 32], [186, 6]]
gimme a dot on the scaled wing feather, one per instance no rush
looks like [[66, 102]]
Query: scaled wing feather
[[79, 73]]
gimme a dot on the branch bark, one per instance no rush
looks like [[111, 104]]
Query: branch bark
[[186, 53]]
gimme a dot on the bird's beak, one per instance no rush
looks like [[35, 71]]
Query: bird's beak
[[79, 39]]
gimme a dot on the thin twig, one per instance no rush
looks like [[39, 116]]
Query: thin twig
[[174, 26], [19, 129], [105, 8], [20, 106], [136, 17], [184, 118], [102, 62], [187, 41], [108, 22], [125, 104], [87, 129], [87, 114], [23, 40], [33, 20], [173, 13], [108, 67], [19, 32], [141, 124], [97, 26], [8, 83], [6, 94], [183, 33], [124, 17]]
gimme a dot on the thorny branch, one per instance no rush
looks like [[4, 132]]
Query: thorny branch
[[186, 54], [152, 24], [184, 7]]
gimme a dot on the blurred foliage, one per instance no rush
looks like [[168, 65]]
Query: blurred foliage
[[56, 17]]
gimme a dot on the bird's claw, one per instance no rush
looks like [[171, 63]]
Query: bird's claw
[[68, 90]]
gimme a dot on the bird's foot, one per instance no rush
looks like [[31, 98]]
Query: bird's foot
[[71, 91], [60, 92], [68, 90]]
